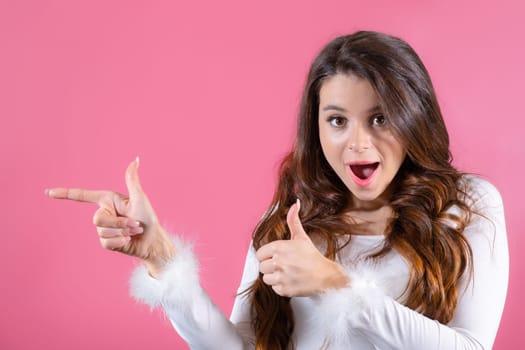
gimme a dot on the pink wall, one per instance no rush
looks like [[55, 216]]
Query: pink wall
[[206, 94]]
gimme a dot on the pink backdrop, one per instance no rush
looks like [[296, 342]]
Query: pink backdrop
[[206, 94]]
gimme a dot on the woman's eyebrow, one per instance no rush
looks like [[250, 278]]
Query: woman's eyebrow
[[334, 107], [376, 108]]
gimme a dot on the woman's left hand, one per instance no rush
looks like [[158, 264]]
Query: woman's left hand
[[296, 267]]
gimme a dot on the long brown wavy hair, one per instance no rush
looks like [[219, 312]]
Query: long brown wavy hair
[[427, 185]]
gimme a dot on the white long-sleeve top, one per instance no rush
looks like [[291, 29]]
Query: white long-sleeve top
[[368, 315]]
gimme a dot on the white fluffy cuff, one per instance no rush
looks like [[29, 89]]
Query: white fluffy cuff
[[176, 284], [342, 310]]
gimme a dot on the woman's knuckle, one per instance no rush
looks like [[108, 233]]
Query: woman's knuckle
[[277, 277], [101, 232], [96, 219], [104, 243], [121, 223]]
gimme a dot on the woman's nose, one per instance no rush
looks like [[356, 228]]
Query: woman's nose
[[359, 139]]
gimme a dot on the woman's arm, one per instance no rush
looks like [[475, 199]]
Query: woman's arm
[[365, 309], [168, 277], [190, 309], [241, 314]]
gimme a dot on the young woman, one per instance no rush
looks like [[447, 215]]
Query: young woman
[[372, 241]]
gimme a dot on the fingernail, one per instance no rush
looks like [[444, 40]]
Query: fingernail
[[138, 161], [133, 223], [46, 191]]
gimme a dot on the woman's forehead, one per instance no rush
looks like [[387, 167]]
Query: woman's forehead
[[348, 93]]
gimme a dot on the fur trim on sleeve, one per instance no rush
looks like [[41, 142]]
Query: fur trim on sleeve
[[176, 284], [340, 311]]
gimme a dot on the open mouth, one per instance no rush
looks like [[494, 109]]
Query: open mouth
[[364, 171]]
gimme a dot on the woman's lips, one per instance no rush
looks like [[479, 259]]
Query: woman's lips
[[363, 172]]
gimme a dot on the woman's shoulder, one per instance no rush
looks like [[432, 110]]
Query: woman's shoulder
[[481, 196], [479, 193]]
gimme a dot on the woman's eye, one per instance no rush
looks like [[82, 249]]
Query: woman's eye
[[378, 120], [337, 122]]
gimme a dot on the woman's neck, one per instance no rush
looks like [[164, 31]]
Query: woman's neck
[[371, 217], [370, 221]]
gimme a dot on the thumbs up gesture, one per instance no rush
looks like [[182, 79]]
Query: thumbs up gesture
[[296, 267], [126, 223]]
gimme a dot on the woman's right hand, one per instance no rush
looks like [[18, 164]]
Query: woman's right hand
[[127, 224]]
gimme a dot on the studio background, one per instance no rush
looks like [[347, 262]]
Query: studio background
[[206, 93]]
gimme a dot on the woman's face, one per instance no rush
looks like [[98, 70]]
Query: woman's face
[[356, 139]]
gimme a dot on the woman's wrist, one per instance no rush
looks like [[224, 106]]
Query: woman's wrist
[[160, 252], [336, 278]]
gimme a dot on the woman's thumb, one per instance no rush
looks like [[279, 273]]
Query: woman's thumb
[[132, 179], [294, 222]]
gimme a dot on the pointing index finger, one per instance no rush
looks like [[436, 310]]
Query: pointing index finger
[[76, 194]]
